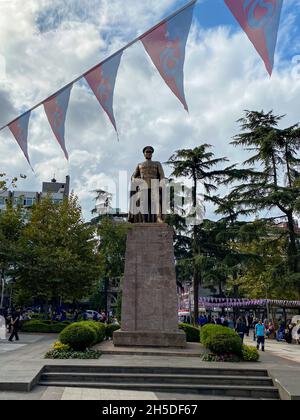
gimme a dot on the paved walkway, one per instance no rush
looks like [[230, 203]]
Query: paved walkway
[[281, 349], [21, 362]]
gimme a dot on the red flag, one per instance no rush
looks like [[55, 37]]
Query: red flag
[[19, 129], [56, 110], [166, 48], [102, 81], [260, 20]]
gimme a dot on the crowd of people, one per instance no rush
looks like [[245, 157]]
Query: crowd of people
[[12, 318], [281, 331]]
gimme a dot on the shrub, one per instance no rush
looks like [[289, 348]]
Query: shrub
[[210, 330], [35, 326], [250, 354], [78, 336], [224, 344], [98, 327], [57, 327], [63, 354], [61, 347], [221, 340], [110, 328], [192, 333]]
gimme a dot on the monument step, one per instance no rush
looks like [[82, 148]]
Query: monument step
[[157, 370], [141, 378], [255, 392]]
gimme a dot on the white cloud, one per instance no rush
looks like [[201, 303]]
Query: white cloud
[[223, 76]]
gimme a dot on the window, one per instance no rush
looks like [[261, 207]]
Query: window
[[29, 201], [19, 201]]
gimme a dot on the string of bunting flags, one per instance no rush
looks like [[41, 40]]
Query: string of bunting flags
[[231, 303], [165, 44]]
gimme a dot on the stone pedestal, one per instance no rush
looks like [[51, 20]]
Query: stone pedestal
[[149, 300]]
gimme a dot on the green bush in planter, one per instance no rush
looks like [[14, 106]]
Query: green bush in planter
[[224, 343], [192, 333], [57, 327], [110, 328], [35, 326], [78, 337], [250, 354], [210, 330], [98, 327]]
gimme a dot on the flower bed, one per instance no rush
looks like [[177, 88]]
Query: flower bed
[[71, 354], [76, 341]]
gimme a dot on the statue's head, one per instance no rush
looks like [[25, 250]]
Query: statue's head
[[148, 152]]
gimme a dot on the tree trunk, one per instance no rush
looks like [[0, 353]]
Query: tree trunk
[[196, 296], [195, 253], [274, 170], [288, 166], [2, 290], [292, 250]]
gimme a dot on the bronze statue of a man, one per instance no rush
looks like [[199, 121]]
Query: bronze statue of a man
[[146, 191]]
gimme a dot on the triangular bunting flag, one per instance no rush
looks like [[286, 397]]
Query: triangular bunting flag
[[166, 48], [102, 81], [260, 20], [56, 110], [19, 129]]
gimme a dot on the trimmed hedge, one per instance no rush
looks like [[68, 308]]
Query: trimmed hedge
[[37, 326], [110, 328], [98, 327], [225, 343], [210, 330], [221, 340], [250, 354], [192, 333], [79, 337]]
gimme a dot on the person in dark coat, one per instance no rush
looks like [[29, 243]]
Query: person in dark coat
[[15, 323], [241, 328]]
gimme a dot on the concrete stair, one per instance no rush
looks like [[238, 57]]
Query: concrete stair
[[236, 383]]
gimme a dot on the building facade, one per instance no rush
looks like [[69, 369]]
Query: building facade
[[26, 199]]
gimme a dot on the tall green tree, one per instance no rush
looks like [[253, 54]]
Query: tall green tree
[[59, 259], [112, 247], [11, 225], [270, 181], [197, 164]]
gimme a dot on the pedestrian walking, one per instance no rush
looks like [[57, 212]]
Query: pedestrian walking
[[15, 323], [241, 328], [260, 331], [288, 334]]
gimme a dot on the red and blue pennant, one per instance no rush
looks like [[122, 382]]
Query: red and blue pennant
[[102, 80], [166, 47], [56, 110], [260, 20], [19, 129]]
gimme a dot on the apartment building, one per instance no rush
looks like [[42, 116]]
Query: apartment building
[[57, 190]]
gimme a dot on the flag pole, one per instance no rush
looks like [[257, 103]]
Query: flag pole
[[105, 60]]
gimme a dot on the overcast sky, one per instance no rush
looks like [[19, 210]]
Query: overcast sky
[[45, 44]]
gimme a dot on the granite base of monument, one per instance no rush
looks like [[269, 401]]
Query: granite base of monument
[[149, 298]]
